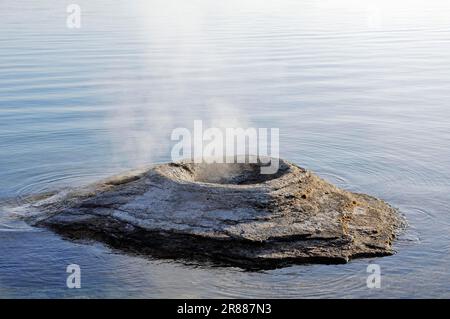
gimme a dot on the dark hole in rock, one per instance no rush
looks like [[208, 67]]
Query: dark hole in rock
[[231, 173]]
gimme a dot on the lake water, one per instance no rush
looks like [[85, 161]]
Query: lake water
[[360, 91]]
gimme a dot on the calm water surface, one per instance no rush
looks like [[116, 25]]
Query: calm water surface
[[359, 90]]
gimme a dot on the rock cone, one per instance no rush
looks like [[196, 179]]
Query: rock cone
[[225, 213]]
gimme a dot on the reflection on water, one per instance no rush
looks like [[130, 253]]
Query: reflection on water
[[359, 90]]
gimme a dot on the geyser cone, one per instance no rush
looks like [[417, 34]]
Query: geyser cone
[[226, 213]]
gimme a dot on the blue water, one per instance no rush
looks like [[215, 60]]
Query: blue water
[[359, 91]]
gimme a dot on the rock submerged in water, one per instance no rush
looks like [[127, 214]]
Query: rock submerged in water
[[224, 213]]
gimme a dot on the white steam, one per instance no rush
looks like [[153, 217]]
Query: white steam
[[177, 79]]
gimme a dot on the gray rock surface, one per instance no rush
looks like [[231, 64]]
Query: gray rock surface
[[224, 213]]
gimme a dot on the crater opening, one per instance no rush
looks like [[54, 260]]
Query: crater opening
[[226, 173]]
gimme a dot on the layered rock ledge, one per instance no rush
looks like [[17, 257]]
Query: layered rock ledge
[[224, 213]]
